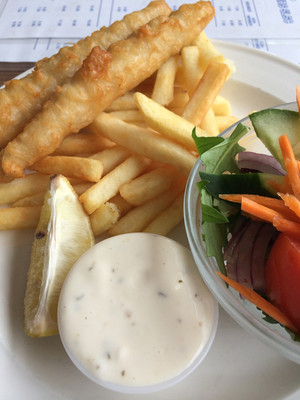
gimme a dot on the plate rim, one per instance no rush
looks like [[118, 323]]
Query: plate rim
[[221, 45]]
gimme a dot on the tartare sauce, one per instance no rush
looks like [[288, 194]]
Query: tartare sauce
[[134, 310]]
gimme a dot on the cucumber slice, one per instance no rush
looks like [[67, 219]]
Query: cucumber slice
[[270, 124], [253, 183]]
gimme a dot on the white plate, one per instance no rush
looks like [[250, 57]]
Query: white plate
[[238, 366]]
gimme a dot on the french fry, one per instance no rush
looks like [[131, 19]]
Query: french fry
[[37, 199], [209, 123], [121, 203], [179, 78], [82, 142], [128, 115], [192, 71], [139, 217], [224, 121], [125, 102], [168, 218], [19, 217], [163, 91], [221, 106], [207, 90], [22, 187], [111, 157], [141, 124], [33, 200], [177, 111], [208, 52], [180, 98], [144, 142], [166, 122], [76, 181], [109, 185], [104, 218], [152, 166], [73, 167], [147, 186], [81, 187]]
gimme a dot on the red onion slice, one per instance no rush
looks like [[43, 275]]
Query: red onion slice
[[231, 250], [259, 162], [244, 274], [259, 254]]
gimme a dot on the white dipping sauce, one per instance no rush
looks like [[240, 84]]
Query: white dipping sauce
[[134, 310]]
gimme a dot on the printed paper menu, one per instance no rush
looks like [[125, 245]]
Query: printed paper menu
[[30, 30]]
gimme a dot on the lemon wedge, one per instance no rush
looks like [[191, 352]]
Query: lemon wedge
[[63, 234]]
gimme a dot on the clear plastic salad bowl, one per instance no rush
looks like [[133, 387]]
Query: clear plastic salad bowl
[[241, 310]]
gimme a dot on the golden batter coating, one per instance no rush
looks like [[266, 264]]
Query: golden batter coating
[[104, 76], [22, 98]]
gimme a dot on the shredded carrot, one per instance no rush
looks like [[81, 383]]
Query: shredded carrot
[[291, 202], [280, 220], [257, 210], [287, 226], [235, 198], [284, 187], [259, 302], [270, 202], [291, 164]]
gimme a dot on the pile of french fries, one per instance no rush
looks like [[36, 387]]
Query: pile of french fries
[[130, 165]]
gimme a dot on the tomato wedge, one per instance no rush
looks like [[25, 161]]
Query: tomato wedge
[[282, 275]]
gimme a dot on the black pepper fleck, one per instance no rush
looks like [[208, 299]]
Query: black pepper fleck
[[91, 267], [40, 235], [162, 294], [123, 372]]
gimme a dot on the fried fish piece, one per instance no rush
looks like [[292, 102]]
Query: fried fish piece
[[104, 76], [22, 98]]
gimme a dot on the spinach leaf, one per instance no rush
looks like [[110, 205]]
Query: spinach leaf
[[218, 155], [221, 157], [203, 144]]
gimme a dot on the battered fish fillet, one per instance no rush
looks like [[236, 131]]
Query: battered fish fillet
[[22, 98], [104, 76]]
